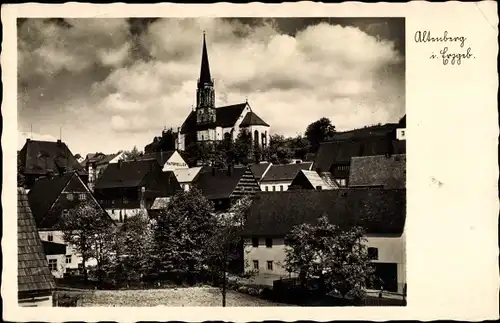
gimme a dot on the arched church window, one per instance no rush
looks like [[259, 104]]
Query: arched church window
[[256, 137]]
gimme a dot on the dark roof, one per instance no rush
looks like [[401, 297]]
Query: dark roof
[[41, 157], [99, 158], [33, 274], [125, 174], [386, 171], [252, 119], [161, 157], [341, 151], [285, 172], [54, 248], [402, 122], [226, 117], [218, 185], [387, 129], [44, 193], [205, 76], [379, 211], [259, 169]]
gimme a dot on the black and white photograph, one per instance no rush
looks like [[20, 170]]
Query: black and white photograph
[[223, 156], [211, 161]]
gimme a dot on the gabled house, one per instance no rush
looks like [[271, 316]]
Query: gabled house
[[50, 200], [279, 177], [95, 164], [260, 169], [186, 176], [311, 180], [35, 283], [168, 160], [129, 187], [226, 186], [381, 212], [378, 171], [401, 130], [45, 158]]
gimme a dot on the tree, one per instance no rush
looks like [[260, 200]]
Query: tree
[[278, 151], [225, 244], [318, 131], [88, 230], [132, 154], [299, 145], [243, 147], [134, 249], [181, 233], [339, 257]]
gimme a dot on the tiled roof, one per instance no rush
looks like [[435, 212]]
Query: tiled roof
[[187, 175], [341, 151], [388, 129], [41, 157], [252, 119], [385, 171], [160, 203], [329, 180], [125, 174], [33, 274], [287, 172], [44, 193], [99, 158], [161, 157], [219, 184], [258, 170], [379, 211], [226, 117], [316, 180]]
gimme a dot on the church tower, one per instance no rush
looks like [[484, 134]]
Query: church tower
[[205, 94]]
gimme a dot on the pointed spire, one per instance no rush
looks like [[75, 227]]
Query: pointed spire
[[205, 76]]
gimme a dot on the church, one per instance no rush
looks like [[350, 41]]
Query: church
[[208, 123]]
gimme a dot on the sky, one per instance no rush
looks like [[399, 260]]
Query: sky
[[111, 84]]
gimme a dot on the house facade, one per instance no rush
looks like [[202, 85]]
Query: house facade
[[278, 178], [38, 159], [130, 187], [35, 283], [186, 176], [208, 123], [50, 200], [381, 212], [95, 164]]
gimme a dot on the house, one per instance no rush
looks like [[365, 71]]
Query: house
[[95, 164], [129, 187], [224, 187], [57, 259], [186, 176], [44, 158], [335, 156], [35, 283], [206, 122], [311, 180], [401, 130], [260, 169], [381, 212], [50, 199], [279, 177], [381, 170], [169, 160]]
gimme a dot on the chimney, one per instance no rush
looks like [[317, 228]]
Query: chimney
[[28, 139], [59, 141], [229, 170], [120, 162], [318, 188]]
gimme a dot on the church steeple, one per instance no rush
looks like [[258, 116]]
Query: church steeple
[[205, 76], [205, 94]]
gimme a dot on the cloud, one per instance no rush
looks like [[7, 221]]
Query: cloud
[[22, 136], [291, 80]]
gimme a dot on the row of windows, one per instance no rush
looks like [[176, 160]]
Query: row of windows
[[111, 202], [269, 242], [77, 196], [269, 265], [53, 263], [274, 188]]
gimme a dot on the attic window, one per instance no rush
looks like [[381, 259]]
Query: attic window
[[255, 242], [65, 212], [69, 196], [82, 196], [50, 237]]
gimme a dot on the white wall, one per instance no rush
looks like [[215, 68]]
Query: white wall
[[76, 259], [277, 185], [181, 145], [261, 129], [390, 250], [401, 134], [60, 266], [115, 213], [175, 162]]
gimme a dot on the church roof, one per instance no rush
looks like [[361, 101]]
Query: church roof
[[226, 117], [205, 76], [252, 119]]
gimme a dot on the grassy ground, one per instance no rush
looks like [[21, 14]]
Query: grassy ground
[[188, 296]]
